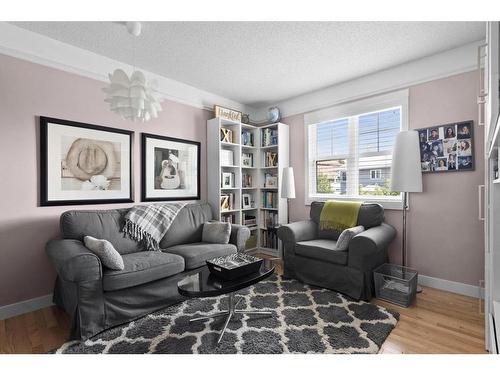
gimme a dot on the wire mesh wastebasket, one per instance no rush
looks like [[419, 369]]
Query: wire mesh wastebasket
[[395, 284]]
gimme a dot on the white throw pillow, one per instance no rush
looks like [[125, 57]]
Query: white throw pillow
[[216, 232], [346, 236], [106, 252]]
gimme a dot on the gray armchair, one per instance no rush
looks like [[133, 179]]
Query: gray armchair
[[310, 254]]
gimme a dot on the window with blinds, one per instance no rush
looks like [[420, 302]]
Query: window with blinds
[[351, 157]]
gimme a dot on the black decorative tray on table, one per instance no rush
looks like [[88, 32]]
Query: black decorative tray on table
[[233, 266]]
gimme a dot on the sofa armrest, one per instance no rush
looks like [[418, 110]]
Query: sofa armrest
[[73, 261], [368, 243], [299, 231], [239, 236]]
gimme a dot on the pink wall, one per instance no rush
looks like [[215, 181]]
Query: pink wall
[[444, 233], [29, 90]]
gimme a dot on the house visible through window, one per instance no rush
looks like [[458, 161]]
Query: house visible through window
[[350, 157]]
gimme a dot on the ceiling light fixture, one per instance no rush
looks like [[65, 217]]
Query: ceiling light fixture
[[133, 98]]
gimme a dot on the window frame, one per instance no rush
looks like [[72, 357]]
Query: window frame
[[378, 172], [355, 108]]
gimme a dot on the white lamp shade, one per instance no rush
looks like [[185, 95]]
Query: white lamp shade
[[288, 183], [406, 169]]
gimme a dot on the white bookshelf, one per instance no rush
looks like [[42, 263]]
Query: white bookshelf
[[257, 171]]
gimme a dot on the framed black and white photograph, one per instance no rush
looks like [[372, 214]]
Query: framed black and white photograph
[[247, 159], [170, 168], [226, 180], [447, 148], [83, 163], [246, 201]]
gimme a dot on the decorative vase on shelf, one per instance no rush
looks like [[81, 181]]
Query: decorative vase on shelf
[[273, 114]]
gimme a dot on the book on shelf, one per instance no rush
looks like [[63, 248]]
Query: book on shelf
[[249, 220], [226, 158], [226, 135], [269, 239], [269, 199], [269, 137], [271, 159], [227, 202], [246, 180], [247, 138], [270, 180], [268, 219], [228, 218]]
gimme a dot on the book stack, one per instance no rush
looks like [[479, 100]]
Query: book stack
[[249, 220], [226, 157], [227, 202], [227, 219], [269, 219], [269, 137], [269, 239], [271, 159], [247, 138], [269, 199], [246, 180]]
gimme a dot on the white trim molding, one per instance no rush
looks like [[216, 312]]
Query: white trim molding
[[445, 64], [451, 286], [23, 307], [27, 45]]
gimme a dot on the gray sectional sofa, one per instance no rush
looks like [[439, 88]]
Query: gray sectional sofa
[[98, 298], [310, 256]]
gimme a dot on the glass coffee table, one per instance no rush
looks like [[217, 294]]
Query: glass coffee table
[[204, 284]]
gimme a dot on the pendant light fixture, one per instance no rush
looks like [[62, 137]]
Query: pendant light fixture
[[133, 98]]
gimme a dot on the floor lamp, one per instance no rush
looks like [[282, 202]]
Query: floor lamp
[[288, 188], [406, 174]]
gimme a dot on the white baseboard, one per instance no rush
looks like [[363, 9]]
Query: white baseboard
[[451, 286], [23, 307]]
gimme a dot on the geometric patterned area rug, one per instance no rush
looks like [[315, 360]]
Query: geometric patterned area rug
[[306, 320]]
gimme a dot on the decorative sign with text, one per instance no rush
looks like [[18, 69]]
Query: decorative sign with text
[[226, 113]]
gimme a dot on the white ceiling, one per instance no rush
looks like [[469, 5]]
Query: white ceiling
[[261, 63]]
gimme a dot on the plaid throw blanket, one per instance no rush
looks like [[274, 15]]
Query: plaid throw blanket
[[149, 223]]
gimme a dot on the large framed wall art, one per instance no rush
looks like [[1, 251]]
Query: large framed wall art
[[170, 168], [84, 164], [447, 148]]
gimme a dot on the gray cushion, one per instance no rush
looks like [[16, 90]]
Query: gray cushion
[[195, 254], [370, 215], [141, 268], [107, 254], [188, 225], [103, 224], [216, 232], [322, 249], [347, 235]]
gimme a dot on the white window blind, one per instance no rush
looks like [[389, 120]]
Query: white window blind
[[350, 157]]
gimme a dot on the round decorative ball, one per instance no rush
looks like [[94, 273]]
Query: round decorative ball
[[273, 114]]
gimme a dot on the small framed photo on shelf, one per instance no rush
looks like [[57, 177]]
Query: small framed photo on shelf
[[271, 181], [246, 201], [226, 180], [247, 159]]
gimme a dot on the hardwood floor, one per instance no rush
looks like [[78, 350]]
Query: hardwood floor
[[438, 322]]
